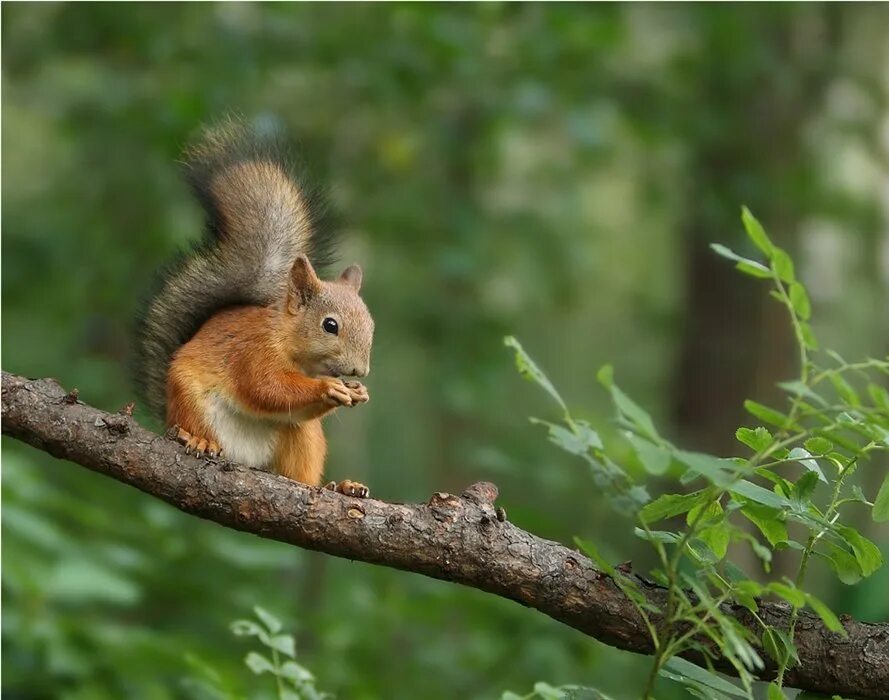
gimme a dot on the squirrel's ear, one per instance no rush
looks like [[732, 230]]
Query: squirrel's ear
[[352, 276], [303, 285]]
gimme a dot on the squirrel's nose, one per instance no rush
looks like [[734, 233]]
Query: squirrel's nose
[[360, 372]]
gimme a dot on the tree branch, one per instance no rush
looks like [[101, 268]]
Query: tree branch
[[459, 539]]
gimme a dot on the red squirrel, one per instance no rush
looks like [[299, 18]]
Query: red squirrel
[[244, 349]]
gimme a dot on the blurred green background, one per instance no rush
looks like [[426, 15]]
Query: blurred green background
[[550, 171]]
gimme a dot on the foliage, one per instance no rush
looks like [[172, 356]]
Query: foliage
[[792, 486], [292, 681], [545, 691]]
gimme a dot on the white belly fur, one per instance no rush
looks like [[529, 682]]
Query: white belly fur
[[244, 439]]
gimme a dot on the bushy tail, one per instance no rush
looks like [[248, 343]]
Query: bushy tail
[[260, 216]]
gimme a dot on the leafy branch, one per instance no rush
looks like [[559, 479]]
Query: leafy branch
[[828, 430], [293, 681]]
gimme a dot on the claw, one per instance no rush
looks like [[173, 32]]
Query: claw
[[349, 488], [197, 446]]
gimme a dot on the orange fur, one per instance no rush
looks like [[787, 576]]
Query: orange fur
[[239, 357], [301, 452]]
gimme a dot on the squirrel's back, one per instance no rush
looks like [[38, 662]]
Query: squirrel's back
[[260, 215]]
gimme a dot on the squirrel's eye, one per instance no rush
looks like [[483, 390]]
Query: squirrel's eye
[[330, 326]]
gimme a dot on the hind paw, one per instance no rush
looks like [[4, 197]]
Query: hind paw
[[199, 446]]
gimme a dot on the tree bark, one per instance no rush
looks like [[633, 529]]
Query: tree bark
[[464, 539]]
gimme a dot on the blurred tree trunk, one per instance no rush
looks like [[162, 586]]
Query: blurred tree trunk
[[734, 346], [736, 342]]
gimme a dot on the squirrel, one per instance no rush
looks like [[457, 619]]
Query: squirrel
[[243, 349]]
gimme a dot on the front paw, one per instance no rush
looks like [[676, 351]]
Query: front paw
[[336, 393], [349, 488], [358, 392]]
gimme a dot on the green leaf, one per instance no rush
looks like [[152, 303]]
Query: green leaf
[[783, 266], [245, 628], [258, 663], [529, 370], [655, 459], [584, 692], [766, 414], [775, 692], [548, 692], [779, 646], [804, 457], [296, 673], [803, 489], [754, 269], [725, 252], [670, 505], [717, 538], [705, 518], [881, 505], [757, 439], [284, 643], [879, 396], [760, 550], [858, 495], [718, 471], [578, 442], [756, 232], [696, 690], [830, 620], [791, 594], [689, 671], [799, 300], [248, 628], [605, 376], [272, 623], [656, 535], [768, 521], [797, 388], [749, 587], [628, 408], [809, 339], [844, 390], [745, 595], [745, 265], [757, 493], [732, 631], [818, 445], [877, 433], [843, 563], [867, 554]]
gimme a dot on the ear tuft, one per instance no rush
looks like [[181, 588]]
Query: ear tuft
[[352, 276], [304, 283]]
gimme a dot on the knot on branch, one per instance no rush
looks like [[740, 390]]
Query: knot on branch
[[116, 423], [444, 506], [481, 493]]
